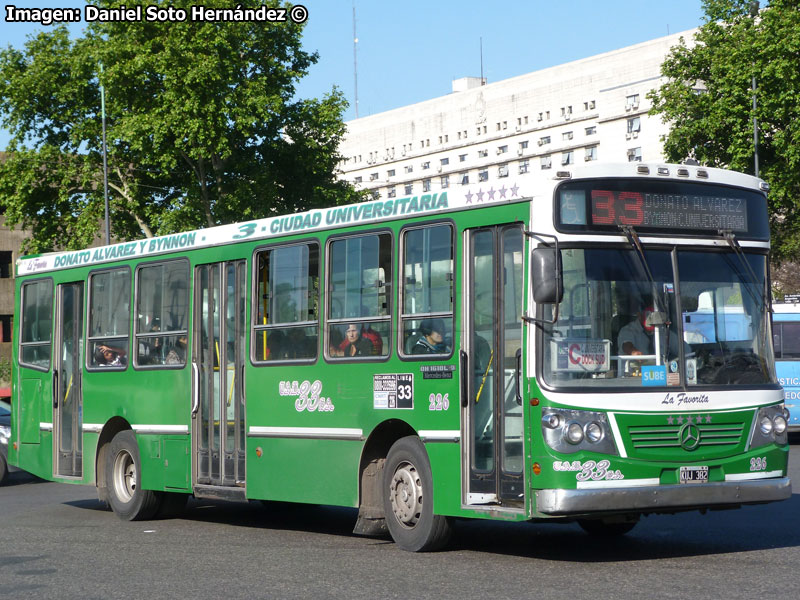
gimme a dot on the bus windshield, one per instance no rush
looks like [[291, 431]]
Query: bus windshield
[[685, 318]]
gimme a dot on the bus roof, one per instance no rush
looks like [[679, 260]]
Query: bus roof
[[375, 211]]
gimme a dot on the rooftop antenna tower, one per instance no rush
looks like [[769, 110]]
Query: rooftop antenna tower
[[482, 80], [355, 58]]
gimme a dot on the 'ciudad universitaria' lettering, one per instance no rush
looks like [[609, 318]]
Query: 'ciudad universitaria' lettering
[[340, 215]]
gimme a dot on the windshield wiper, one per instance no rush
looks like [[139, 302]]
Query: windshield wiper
[[636, 244], [730, 238]]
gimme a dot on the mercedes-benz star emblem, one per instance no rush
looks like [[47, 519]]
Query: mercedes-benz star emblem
[[689, 436]]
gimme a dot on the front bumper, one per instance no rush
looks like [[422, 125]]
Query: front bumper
[[661, 498]]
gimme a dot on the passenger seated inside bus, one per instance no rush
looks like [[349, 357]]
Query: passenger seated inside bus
[[431, 340], [356, 343], [177, 354], [109, 356]]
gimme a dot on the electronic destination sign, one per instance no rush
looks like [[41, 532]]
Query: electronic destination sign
[[674, 208]]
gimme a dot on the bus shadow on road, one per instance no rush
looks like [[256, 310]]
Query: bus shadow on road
[[688, 534], [655, 537]]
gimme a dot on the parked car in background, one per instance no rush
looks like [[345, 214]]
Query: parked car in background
[[5, 434]]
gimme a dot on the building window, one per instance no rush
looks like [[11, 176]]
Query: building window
[[591, 153], [634, 125], [591, 130], [360, 290], [567, 135], [390, 173], [444, 162], [444, 181], [357, 179], [464, 177], [5, 264], [409, 168], [426, 185], [5, 328], [523, 145], [409, 189], [462, 158], [483, 153], [391, 192], [566, 158], [426, 165], [524, 166], [287, 312], [483, 175], [502, 170], [544, 140], [635, 154], [373, 176], [546, 162], [502, 149], [376, 195], [632, 102]]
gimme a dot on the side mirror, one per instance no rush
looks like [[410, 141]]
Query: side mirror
[[548, 286]]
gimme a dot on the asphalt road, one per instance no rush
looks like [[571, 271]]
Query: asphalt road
[[57, 541]]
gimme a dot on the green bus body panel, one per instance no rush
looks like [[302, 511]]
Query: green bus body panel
[[298, 460], [33, 411]]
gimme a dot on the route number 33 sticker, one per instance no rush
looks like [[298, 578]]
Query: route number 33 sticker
[[394, 390]]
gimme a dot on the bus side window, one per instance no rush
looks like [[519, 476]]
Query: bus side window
[[427, 289], [359, 293], [286, 324], [36, 323], [790, 348], [109, 318], [162, 309]]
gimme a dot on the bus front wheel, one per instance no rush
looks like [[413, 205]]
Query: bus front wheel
[[408, 499], [123, 476]]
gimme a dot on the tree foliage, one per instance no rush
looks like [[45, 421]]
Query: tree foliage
[[708, 102], [203, 128]]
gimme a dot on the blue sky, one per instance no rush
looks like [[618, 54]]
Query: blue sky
[[410, 51]]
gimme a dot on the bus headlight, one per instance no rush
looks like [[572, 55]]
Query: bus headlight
[[570, 431], [574, 433], [779, 423], [594, 432], [769, 427]]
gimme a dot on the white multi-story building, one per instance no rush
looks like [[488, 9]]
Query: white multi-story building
[[490, 138]]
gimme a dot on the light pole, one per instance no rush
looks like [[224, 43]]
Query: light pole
[[754, 13]]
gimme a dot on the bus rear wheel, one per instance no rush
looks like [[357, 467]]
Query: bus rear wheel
[[123, 475], [408, 499]]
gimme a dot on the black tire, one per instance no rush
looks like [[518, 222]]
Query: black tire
[[408, 499], [123, 474], [604, 528], [3, 469]]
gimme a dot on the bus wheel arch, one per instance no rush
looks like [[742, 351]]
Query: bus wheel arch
[[371, 517]]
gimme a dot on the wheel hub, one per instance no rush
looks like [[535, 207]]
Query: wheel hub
[[406, 494]]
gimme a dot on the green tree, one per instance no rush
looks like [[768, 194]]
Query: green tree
[[708, 102], [203, 128]]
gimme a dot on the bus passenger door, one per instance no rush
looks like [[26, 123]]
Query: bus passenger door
[[218, 360], [493, 451], [67, 397]]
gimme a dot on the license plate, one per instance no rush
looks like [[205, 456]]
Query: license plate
[[693, 475]]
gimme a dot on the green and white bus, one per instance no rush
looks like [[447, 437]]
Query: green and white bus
[[468, 353]]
